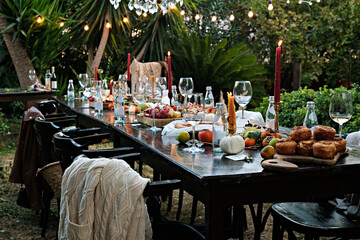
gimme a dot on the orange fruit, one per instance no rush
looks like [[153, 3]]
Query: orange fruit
[[267, 152], [267, 140], [249, 142], [277, 135], [265, 134], [206, 136]]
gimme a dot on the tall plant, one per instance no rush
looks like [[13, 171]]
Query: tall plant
[[216, 64]]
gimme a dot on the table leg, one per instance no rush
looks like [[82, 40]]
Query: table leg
[[214, 220], [258, 219]]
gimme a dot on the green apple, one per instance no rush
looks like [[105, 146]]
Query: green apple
[[273, 142]]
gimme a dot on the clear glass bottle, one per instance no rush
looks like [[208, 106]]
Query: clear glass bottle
[[270, 114], [105, 89], [70, 90], [175, 96], [119, 108], [310, 120], [219, 127], [209, 97], [48, 79], [98, 102]]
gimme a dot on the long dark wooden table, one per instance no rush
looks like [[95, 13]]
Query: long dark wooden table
[[219, 182], [26, 96]]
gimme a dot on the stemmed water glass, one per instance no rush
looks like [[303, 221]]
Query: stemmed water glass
[[83, 81], [243, 94], [186, 87], [123, 84], [32, 75], [341, 108], [139, 93], [153, 94], [194, 117], [163, 85]]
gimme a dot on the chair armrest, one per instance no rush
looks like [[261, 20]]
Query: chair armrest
[[78, 132], [58, 117], [54, 115], [91, 139], [113, 153], [161, 187]]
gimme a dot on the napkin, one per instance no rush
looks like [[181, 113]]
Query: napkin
[[249, 116], [353, 138], [170, 130]]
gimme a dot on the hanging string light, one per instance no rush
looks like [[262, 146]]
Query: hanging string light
[[270, 6], [250, 14], [231, 16], [213, 17], [86, 27], [61, 24], [39, 19], [125, 19], [182, 12], [197, 16], [145, 14], [108, 25]]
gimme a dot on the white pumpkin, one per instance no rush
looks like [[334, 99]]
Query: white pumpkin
[[232, 144]]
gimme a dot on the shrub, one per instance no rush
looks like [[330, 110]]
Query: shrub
[[293, 108]]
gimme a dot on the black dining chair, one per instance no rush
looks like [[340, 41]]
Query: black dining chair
[[314, 219]]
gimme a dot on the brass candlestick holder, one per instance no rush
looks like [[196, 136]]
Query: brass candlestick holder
[[277, 110]]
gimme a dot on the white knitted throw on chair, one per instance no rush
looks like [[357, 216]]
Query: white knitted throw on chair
[[102, 199]]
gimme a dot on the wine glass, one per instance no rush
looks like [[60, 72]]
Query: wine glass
[[186, 87], [163, 84], [92, 86], [139, 93], [32, 75], [243, 94], [83, 81], [341, 108], [123, 84], [194, 117], [153, 94]]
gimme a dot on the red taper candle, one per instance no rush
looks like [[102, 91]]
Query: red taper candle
[[95, 72], [277, 73], [128, 68], [169, 73]]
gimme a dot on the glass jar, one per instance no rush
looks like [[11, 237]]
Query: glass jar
[[270, 114], [310, 120]]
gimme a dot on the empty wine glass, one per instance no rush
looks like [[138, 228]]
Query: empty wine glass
[[194, 117], [83, 81], [186, 87], [243, 94], [32, 75], [341, 108], [153, 94], [139, 92], [123, 84], [163, 84]]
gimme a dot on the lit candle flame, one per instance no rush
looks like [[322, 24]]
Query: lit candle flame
[[169, 53], [229, 94], [280, 42]]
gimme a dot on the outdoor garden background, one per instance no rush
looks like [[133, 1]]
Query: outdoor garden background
[[320, 52]]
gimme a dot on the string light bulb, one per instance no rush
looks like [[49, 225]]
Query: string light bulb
[[108, 25], [310, 3], [145, 14], [86, 27], [61, 24], [213, 17], [125, 19], [288, 1], [250, 14], [231, 16], [318, 1], [182, 12], [300, 1], [39, 19], [197, 16], [270, 6]]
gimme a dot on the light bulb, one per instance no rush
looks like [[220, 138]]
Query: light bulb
[[231, 16], [108, 25], [270, 6], [145, 14], [300, 1], [86, 27], [125, 19], [197, 16], [39, 19], [310, 3], [288, 1], [61, 24], [182, 12], [250, 14], [317, 1], [213, 17]]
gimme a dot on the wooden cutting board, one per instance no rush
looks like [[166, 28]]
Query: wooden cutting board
[[278, 165], [309, 159]]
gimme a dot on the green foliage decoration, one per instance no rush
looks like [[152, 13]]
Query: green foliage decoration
[[293, 108], [216, 65]]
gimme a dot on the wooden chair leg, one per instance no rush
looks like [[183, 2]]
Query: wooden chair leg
[[193, 211], [46, 210], [170, 202], [181, 196], [276, 231]]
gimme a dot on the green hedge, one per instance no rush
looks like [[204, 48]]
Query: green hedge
[[293, 108]]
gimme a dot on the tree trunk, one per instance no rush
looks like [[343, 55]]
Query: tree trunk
[[18, 55], [297, 76], [142, 51], [103, 41]]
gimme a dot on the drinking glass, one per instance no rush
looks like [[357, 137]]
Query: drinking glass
[[199, 100], [123, 84], [83, 81], [139, 92], [194, 118], [153, 94], [243, 94], [92, 86], [186, 87], [32, 75], [341, 108]]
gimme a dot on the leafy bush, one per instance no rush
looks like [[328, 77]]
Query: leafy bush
[[293, 108], [4, 128]]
